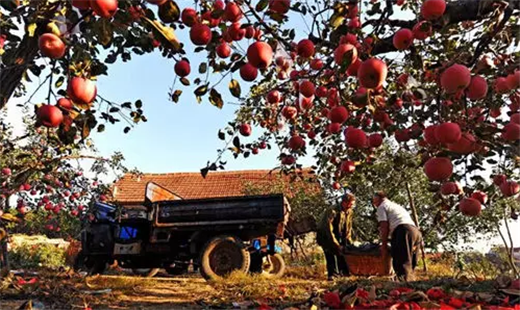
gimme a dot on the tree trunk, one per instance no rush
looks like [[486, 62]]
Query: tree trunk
[[416, 220]]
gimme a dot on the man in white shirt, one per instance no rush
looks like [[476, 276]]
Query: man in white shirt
[[396, 222]]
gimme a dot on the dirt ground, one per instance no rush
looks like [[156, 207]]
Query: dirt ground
[[122, 290], [60, 290]]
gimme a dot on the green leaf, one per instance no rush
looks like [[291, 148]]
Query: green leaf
[[185, 81], [221, 135], [113, 110], [204, 172], [139, 104], [101, 128], [169, 12], [234, 88], [236, 142], [31, 28], [126, 105], [59, 82], [215, 98], [175, 95], [261, 5], [336, 21], [201, 90], [126, 130], [203, 67]]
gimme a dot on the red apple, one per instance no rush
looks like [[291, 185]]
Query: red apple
[[438, 168], [307, 89], [422, 30], [236, 32], [311, 134], [334, 128], [279, 6], [448, 133], [375, 140], [477, 88], [345, 54], [455, 78], [274, 97], [104, 8], [64, 104], [200, 34], [296, 142], [289, 112], [338, 114], [465, 145], [515, 118], [305, 48], [223, 50], [348, 166], [248, 72], [49, 115], [470, 206], [449, 188], [513, 80], [260, 55], [354, 68], [250, 32], [509, 188], [402, 135], [501, 86], [306, 102], [511, 132], [354, 23], [356, 138], [51, 46], [480, 196], [232, 12], [182, 68], [372, 73], [499, 179], [6, 171], [81, 90], [316, 64], [433, 9], [288, 160], [189, 17], [403, 39]]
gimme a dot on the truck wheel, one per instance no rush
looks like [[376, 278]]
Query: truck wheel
[[145, 272], [223, 255], [273, 266], [98, 267]]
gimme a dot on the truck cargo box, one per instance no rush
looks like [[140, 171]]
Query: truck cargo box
[[264, 209]]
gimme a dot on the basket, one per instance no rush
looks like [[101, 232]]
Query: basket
[[363, 264]]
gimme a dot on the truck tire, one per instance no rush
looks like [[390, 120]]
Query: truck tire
[[4, 260], [277, 267], [98, 267], [145, 272], [223, 255]]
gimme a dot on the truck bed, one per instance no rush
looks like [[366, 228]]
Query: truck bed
[[264, 210]]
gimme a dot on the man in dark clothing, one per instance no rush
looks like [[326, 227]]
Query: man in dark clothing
[[396, 222], [334, 232]]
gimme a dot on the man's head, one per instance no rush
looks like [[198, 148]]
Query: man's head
[[347, 201], [378, 198]]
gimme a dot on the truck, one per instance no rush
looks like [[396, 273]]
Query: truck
[[217, 236]]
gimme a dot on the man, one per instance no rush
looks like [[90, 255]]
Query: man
[[334, 232], [396, 222]]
